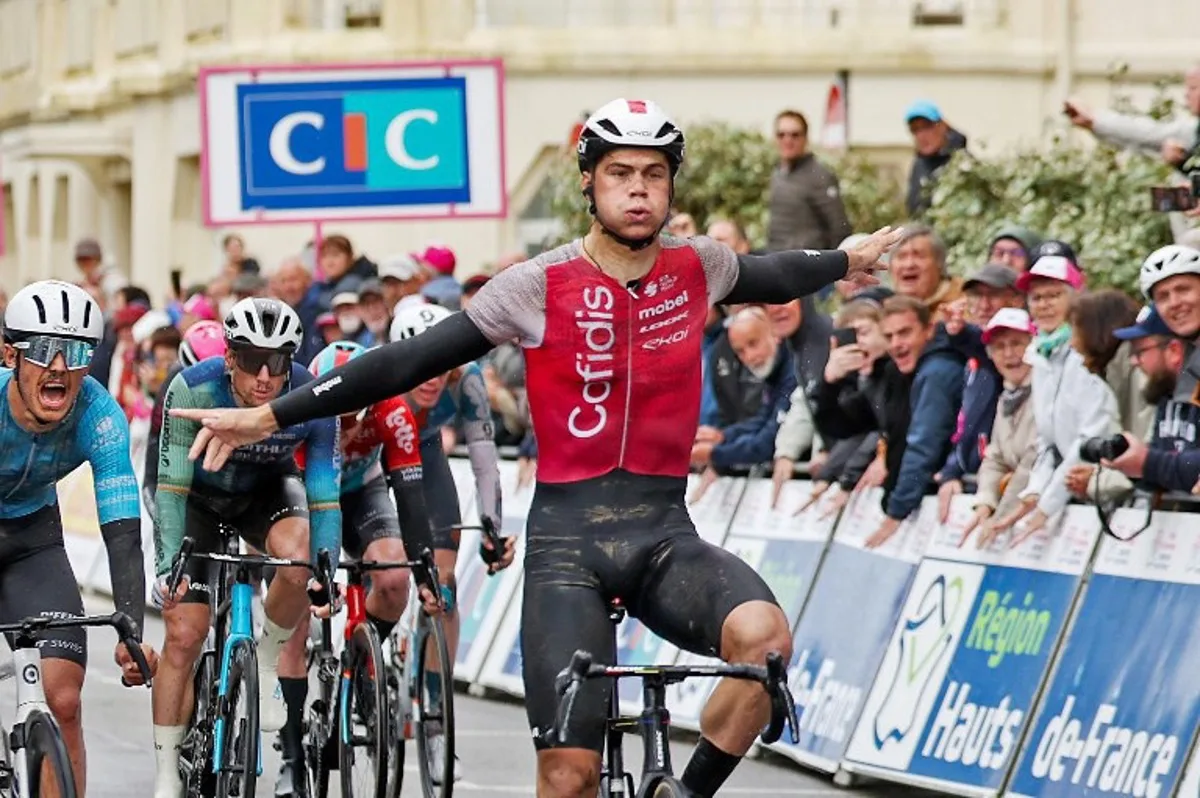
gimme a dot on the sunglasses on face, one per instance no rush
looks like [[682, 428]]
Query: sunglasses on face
[[40, 350], [251, 361]]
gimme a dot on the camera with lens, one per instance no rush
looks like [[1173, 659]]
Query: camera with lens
[[1109, 447]]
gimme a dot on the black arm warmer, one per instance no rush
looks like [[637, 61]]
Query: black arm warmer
[[411, 512], [780, 277], [382, 373], [123, 541]]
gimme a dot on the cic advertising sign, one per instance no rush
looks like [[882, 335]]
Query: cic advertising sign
[[352, 142], [975, 641]]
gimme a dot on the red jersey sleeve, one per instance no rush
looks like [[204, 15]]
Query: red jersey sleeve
[[396, 428]]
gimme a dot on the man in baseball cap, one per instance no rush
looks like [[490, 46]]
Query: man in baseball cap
[[990, 289], [443, 289], [401, 278], [935, 143]]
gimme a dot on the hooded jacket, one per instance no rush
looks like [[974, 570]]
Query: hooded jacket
[[916, 414], [752, 442], [925, 169]]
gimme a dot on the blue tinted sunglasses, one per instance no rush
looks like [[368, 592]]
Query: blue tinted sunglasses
[[40, 350]]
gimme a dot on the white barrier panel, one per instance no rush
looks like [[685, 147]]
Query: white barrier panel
[[974, 645], [485, 602], [784, 548], [1123, 705], [846, 625]]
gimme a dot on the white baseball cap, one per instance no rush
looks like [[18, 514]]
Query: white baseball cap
[[1008, 319], [399, 267]]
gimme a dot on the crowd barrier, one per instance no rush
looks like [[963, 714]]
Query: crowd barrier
[[1067, 666]]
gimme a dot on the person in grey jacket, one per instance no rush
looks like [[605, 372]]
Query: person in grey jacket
[[806, 210]]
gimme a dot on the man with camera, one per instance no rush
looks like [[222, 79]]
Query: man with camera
[[1171, 461]]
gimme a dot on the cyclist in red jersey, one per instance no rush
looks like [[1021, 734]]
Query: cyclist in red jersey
[[611, 325], [379, 445]]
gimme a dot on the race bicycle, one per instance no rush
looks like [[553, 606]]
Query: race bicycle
[[350, 722], [654, 722], [420, 683], [37, 751], [221, 753]]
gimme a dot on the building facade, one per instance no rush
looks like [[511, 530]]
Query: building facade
[[99, 120]]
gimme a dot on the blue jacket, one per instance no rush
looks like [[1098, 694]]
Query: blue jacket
[[308, 310], [710, 414], [752, 441], [934, 400], [982, 386], [1173, 462]]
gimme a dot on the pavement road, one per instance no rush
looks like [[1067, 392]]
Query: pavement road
[[493, 742]]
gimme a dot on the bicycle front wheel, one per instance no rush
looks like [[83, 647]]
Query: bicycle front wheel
[[46, 754], [237, 725], [433, 684], [669, 788], [363, 722]]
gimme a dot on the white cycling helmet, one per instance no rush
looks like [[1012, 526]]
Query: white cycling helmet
[[263, 324], [1169, 261], [53, 308], [629, 123], [416, 319]]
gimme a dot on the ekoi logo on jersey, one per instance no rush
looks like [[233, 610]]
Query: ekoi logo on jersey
[[594, 364]]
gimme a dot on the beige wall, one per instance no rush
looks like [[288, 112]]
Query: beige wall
[[99, 130]]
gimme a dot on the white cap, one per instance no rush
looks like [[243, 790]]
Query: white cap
[[344, 298], [399, 267], [1009, 319]]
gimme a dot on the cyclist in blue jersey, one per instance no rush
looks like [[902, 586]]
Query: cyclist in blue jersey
[[260, 494], [53, 418], [460, 393]]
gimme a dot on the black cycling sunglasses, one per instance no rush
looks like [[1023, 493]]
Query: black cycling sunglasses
[[251, 361]]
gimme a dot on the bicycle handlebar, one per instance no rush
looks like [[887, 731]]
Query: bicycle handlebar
[[493, 551], [773, 678], [126, 629]]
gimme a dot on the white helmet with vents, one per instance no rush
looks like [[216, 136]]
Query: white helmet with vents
[[416, 319], [53, 308], [1168, 261], [629, 123], [263, 324]]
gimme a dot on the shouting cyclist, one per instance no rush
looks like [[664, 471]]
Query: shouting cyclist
[[259, 494], [379, 445], [460, 393], [612, 326], [52, 419]]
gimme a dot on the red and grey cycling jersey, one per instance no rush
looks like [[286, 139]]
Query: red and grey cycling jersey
[[613, 371]]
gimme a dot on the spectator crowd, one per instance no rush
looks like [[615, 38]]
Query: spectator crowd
[[992, 383]]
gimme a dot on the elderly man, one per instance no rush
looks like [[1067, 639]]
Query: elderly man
[[918, 269], [805, 202], [291, 282]]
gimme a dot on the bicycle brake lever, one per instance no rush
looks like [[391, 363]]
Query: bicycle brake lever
[[127, 631], [186, 547], [793, 720], [427, 574]]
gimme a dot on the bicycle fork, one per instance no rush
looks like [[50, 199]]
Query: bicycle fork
[[241, 628], [30, 696]]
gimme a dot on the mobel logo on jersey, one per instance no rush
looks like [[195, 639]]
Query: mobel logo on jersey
[[594, 364]]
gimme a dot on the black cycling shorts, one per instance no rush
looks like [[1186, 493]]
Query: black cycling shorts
[[252, 519], [368, 515], [441, 494], [618, 536], [36, 579]]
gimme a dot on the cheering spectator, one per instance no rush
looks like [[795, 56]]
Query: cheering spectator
[[1012, 449], [1013, 247], [989, 290], [918, 269], [752, 441], [374, 312], [935, 143], [342, 270], [349, 319], [802, 327], [443, 289], [806, 210]]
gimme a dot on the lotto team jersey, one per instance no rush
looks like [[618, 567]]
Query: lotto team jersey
[[613, 373], [386, 434], [31, 464]]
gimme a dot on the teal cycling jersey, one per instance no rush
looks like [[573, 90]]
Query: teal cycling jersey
[[207, 385], [94, 431]]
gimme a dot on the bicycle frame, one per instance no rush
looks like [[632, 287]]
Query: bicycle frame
[[27, 670], [241, 627], [356, 613], [652, 725]]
